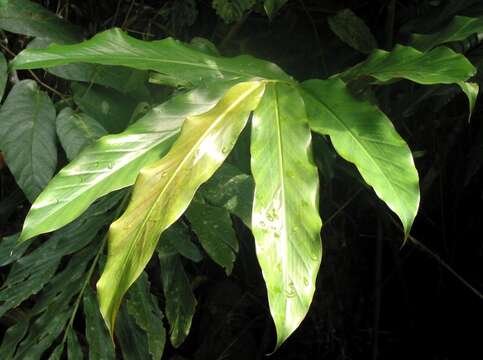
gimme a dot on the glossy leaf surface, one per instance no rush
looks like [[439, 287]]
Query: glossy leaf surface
[[165, 188], [169, 57], [27, 137], [460, 28], [405, 62], [285, 218], [366, 138], [113, 162]]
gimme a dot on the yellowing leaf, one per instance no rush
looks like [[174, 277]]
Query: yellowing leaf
[[164, 190], [285, 218]]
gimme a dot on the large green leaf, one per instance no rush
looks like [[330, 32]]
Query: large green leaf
[[164, 190], [29, 18], [143, 307], [114, 161], [460, 28], [180, 300], [169, 57], [285, 218], [76, 131], [367, 138], [215, 232], [438, 66], [27, 137]]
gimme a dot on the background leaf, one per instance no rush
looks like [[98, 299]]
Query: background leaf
[[285, 218], [3, 75], [273, 6], [27, 137], [232, 10]]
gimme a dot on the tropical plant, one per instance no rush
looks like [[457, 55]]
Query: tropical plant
[[174, 156]]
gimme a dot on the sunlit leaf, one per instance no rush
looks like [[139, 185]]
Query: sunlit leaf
[[164, 189], [114, 161], [285, 218], [27, 137], [367, 138]]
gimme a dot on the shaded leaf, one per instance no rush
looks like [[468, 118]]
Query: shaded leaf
[[169, 57], [232, 10], [366, 138], [27, 137], [285, 218], [164, 189], [132, 340], [272, 6], [10, 250], [180, 240], [12, 338], [29, 18], [460, 28], [353, 31], [214, 229], [76, 131], [3, 75], [74, 351], [143, 307], [100, 345], [113, 162]]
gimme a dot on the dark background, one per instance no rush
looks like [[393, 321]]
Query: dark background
[[374, 298]]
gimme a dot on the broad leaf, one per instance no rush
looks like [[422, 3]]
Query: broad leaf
[[143, 307], [180, 240], [132, 341], [367, 138], [27, 137], [3, 75], [164, 190], [404, 62], [460, 28], [100, 346], [169, 57], [214, 229], [180, 300], [32, 19], [353, 31], [76, 131], [285, 218], [113, 162]]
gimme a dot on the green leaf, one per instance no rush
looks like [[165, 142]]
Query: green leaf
[[132, 340], [272, 6], [12, 338], [100, 345], [169, 57], [74, 351], [214, 229], [285, 218], [353, 31], [27, 137], [460, 28], [180, 240], [76, 131], [3, 75], [143, 307], [180, 300], [29, 18], [113, 162], [471, 91], [10, 250], [367, 138], [438, 66], [164, 189], [232, 10]]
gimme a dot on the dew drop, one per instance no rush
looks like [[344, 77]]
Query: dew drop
[[11, 253]]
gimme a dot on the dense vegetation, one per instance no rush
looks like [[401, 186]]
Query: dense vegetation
[[225, 179]]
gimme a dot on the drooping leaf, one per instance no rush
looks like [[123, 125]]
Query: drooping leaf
[[164, 189], [471, 91], [27, 137], [180, 300], [367, 138], [169, 57], [76, 131], [232, 10], [285, 218], [460, 28], [272, 6], [404, 62], [29, 18], [114, 161], [143, 307], [353, 31], [74, 351], [100, 345], [3, 75], [214, 229]]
